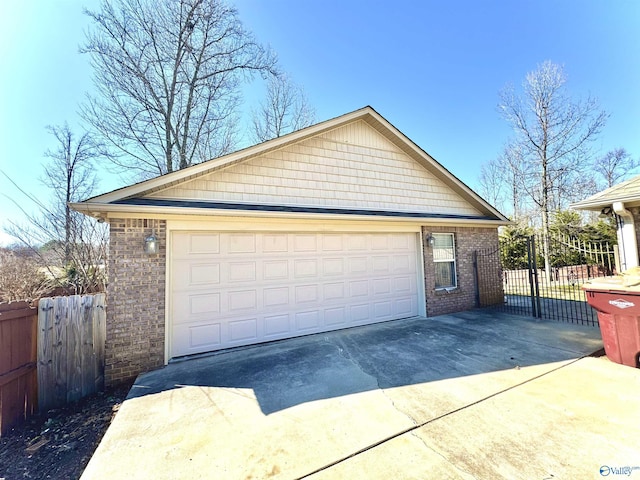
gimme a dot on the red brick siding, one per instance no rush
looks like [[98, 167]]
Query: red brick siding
[[136, 291], [467, 240], [136, 303]]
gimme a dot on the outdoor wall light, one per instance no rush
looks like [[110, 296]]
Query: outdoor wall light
[[605, 212], [151, 244], [430, 240]]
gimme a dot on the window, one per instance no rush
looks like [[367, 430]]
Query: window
[[444, 258]]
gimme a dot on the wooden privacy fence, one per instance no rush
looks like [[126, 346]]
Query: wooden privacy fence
[[18, 381], [71, 336], [50, 355]]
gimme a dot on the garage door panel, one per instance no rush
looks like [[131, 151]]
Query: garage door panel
[[332, 243], [276, 297], [266, 286], [243, 331], [359, 312], [195, 275], [403, 285], [308, 322], [332, 266], [383, 310], [241, 243], [335, 317], [403, 242], [277, 325], [381, 286], [380, 242], [357, 265], [404, 307], [241, 272], [356, 242], [197, 337], [194, 307], [208, 303], [403, 263], [198, 244], [381, 264], [206, 335], [333, 291], [305, 268], [275, 243], [306, 294], [242, 300], [359, 288], [305, 243], [275, 270]]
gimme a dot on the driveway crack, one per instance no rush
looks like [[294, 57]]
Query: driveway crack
[[344, 352], [462, 471]]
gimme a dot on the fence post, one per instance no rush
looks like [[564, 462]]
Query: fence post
[[533, 276], [474, 256]]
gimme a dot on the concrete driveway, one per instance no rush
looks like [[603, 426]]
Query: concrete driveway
[[478, 394]]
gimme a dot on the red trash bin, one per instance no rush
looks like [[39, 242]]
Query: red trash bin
[[618, 307]]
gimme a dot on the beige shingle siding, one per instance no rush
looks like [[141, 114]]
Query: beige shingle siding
[[333, 170]]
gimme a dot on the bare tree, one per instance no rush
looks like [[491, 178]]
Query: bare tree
[[501, 180], [21, 277], [285, 109], [71, 247], [70, 176], [615, 165], [168, 75], [492, 183], [553, 133]]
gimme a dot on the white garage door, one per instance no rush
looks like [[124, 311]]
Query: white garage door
[[239, 288]]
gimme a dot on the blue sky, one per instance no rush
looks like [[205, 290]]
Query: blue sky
[[432, 68]]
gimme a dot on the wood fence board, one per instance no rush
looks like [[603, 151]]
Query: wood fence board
[[87, 356], [99, 338], [45, 352], [5, 351], [74, 347], [61, 320]]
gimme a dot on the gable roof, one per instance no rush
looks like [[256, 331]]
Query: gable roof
[[627, 192], [157, 195]]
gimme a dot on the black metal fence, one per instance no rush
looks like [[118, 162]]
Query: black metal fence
[[554, 293]]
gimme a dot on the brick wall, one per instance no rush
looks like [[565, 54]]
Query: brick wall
[[467, 240], [136, 306]]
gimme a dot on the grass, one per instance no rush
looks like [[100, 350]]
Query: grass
[[559, 291]]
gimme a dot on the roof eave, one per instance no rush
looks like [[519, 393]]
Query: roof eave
[[599, 204], [102, 212]]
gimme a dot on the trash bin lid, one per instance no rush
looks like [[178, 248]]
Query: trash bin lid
[[629, 280]]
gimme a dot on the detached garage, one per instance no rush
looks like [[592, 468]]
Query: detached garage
[[341, 224]]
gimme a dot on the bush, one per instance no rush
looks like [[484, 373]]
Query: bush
[[21, 277]]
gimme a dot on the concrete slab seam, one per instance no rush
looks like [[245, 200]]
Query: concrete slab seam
[[435, 419]]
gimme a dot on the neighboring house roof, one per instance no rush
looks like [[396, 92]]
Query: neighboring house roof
[[627, 192], [355, 165]]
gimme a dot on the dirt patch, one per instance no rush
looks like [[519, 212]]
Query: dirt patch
[[59, 443]]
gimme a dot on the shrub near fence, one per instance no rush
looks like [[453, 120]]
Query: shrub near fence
[[18, 380]]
